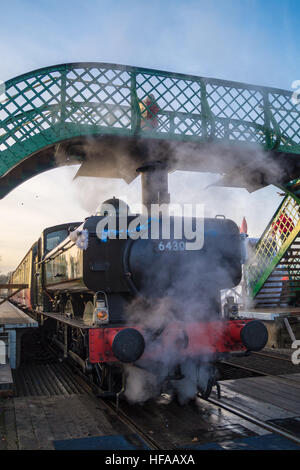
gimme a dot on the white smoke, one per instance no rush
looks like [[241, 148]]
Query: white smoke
[[163, 321], [180, 301], [141, 385]]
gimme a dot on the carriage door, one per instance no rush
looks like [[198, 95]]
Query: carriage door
[[38, 276]]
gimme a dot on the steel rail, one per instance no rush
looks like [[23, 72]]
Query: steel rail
[[256, 371], [130, 423], [92, 390], [271, 355], [258, 422]]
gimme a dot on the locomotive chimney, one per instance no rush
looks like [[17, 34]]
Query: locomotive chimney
[[154, 183]]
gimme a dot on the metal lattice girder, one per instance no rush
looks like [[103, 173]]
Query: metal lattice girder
[[275, 245], [58, 103], [293, 187]]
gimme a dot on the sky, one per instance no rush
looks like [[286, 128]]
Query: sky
[[252, 41]]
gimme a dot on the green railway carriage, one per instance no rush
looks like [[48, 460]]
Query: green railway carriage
[[32, 269]]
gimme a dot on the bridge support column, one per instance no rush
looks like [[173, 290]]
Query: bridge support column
[[155, 188]]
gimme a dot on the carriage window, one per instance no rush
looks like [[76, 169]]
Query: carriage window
[[55, 238]]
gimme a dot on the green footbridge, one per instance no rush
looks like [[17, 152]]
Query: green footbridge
[[111, 118], [273, 272], [95, 112]]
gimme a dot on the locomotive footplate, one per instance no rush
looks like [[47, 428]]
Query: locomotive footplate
[[74, 322]]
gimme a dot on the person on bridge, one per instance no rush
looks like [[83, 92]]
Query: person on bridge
[[149, 110], [283, 226]]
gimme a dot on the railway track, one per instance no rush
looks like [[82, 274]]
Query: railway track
[[50, 376], [46, 380], [253, 371], [218, 405], [235, 412], [259, 364], [154, 445], [114, 407], [65, 378], [251, 419], [268, 355]]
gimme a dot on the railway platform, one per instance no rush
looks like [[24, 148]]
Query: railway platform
[[13, 323]]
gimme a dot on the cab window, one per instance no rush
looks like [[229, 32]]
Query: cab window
[[53, 239]]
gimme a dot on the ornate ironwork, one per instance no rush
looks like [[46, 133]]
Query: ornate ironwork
[[57, 103], [278, 248]]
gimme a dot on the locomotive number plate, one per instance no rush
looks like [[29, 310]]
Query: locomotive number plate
[[174, 245]]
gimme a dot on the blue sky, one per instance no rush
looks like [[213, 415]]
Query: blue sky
[[244, 40], [254, 41]]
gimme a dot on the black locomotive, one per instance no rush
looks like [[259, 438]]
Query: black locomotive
[[108, 297]]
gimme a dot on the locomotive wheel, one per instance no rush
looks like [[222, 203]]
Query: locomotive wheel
[[205, 392], [108, 379], [204, 389]]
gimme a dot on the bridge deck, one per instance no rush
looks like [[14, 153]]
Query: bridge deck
[[51, 115]]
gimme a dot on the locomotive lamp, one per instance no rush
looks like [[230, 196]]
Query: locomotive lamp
[[231, 308], [101, 314]]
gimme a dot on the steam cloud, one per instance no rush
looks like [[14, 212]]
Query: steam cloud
[[185, 300], [177, 294], [186, 185]]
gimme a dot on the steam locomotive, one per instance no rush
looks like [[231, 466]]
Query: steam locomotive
[[110, 301]]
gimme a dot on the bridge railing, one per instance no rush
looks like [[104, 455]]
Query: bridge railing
[[279, 235], [49, 105]]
